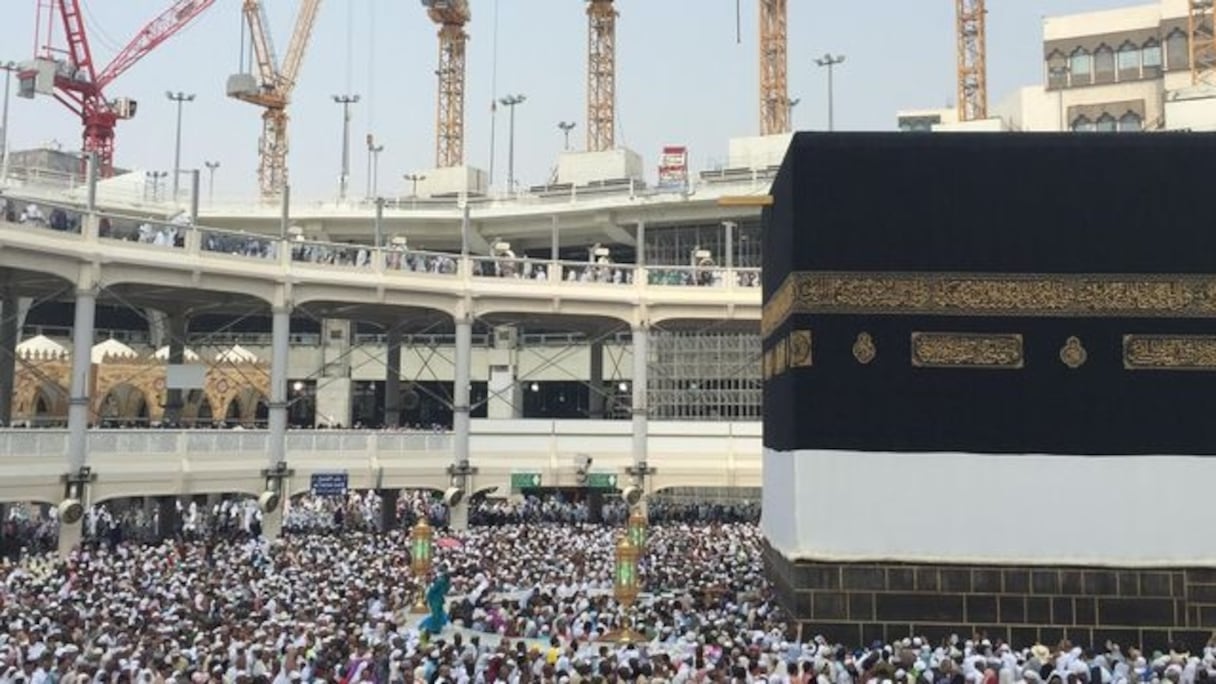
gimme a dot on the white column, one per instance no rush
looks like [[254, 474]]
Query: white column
[[459, 515], [334, 387], [641, 413], [78, 406], [280, 332]]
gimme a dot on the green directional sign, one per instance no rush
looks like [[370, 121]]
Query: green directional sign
[[521, 481], [601, 480]]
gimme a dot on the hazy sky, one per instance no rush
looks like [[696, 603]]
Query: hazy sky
[[682, 78]]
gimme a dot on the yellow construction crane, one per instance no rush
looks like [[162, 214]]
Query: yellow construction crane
[[272, 88], [1202, 41], [451, 16], [774, 64], [601, 75], [972, 60]]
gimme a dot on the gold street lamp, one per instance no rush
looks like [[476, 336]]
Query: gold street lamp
[[637, 530], [625, 588], [422, 538]]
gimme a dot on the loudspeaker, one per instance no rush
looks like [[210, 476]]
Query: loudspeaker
[[70, 511], [633, 495], [268, 501], [453, 496]]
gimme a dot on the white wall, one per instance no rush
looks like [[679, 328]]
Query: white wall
[[1128, 511]]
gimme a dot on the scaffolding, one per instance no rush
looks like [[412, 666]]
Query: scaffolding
[[704, 376], [672, 245]]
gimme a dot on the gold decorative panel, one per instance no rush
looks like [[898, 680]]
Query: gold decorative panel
[[1073, 353], [863, 349], [963, 294], [1169, 352], [780, 358], [800, 349], [966, 350]]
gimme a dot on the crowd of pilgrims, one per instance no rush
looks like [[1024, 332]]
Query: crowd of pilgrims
[[531, 601]]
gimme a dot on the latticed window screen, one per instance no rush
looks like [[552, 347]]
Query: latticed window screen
[[704, 376]]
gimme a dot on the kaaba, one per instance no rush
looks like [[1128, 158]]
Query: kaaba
[[989, 370]]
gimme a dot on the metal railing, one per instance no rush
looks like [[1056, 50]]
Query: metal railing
[[178, 234]]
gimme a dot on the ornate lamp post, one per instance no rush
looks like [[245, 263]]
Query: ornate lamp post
[[637, 530], [422, 538], [625, 587]]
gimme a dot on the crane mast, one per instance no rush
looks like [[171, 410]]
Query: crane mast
[[76, 82], [601, 75], [774, 65], [1202, 42], [272, 88], [971, 18], [451, 16]]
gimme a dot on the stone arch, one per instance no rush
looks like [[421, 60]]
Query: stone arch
[[247, 408], [199, 410], [125, 403], [39, 401]]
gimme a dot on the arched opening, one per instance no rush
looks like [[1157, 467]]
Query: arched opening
[[1178, 50], [124, 404], [1081, 66], [1106, 124], [1128, 61], [198, 410], [1104, 64], [1131, 122], [1083, 124], [1150, 57]]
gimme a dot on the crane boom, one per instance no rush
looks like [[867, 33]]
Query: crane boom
[[77, 83], [451, 16], [274, 89], [972, 60], [601, 75], [774, 66], [259, 38], [156, 32], [305, 22]]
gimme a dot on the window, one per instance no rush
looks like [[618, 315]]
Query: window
[[1152, 56], [1081, 65], [1082, 124], [1104, 64], [1130, 123], [1129, 61], [1106, 124], [1057, 70], [1177, 50]]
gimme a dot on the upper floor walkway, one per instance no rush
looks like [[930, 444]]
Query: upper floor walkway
[[131, 463], [112, 249]]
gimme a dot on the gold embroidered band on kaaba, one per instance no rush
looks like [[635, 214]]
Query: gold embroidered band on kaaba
[[965, 294], [1169, 352]]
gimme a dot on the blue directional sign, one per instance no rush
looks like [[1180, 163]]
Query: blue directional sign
[[329, 484]]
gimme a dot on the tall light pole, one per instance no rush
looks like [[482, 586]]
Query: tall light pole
[[414, 178], [9, 68], [566, 127], [511, 101], [373, 166], [344, 179], [211, 167], [180, 98], [830, 61], [793, 103]]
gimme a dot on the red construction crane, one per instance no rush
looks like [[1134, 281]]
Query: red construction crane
[[68, 73]]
